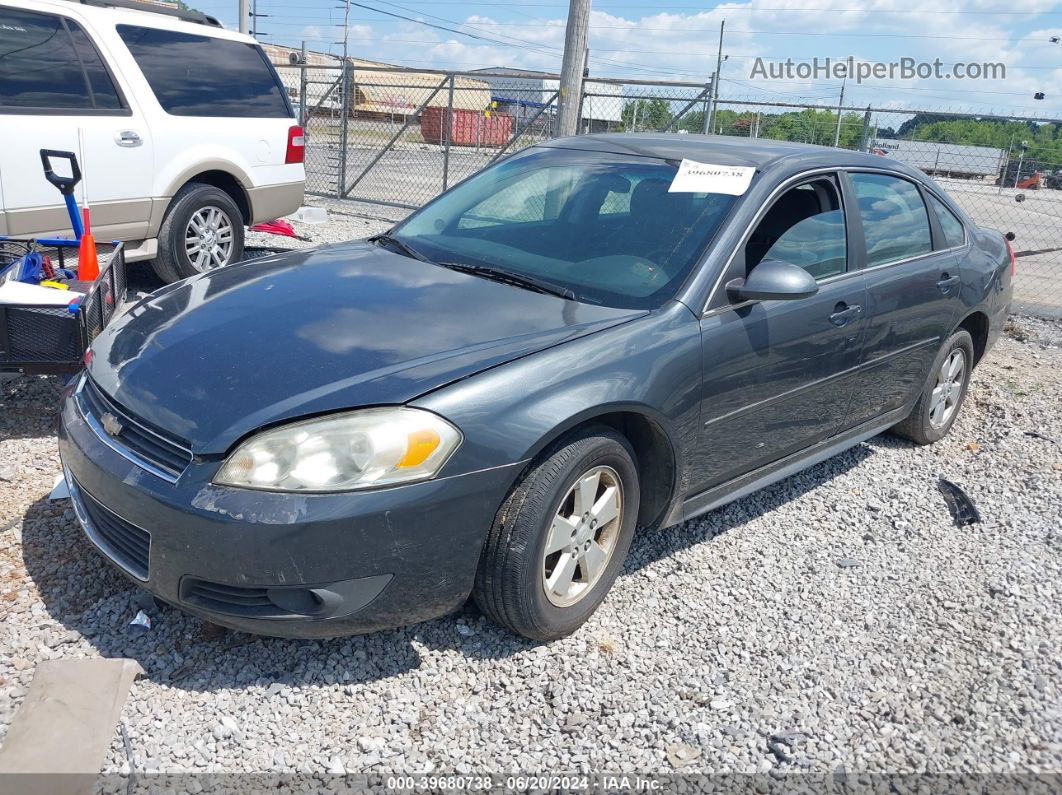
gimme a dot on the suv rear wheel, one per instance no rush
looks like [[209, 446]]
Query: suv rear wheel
[[203, 230]]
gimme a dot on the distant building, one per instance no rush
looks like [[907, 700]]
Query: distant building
[[376, 92], [523, 93], [949, 160]]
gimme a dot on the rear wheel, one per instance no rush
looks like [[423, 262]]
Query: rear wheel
[[203, 230], [943, 393], [561, 537]]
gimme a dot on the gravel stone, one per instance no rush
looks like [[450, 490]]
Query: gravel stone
[[940, 655]]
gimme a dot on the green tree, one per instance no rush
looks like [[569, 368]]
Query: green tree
[[641, 115]]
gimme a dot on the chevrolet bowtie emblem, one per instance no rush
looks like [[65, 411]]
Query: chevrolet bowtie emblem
[[111, 424]]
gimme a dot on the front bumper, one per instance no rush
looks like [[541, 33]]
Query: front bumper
[[290, 565]]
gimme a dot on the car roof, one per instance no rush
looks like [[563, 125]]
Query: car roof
[[142, 14], [727, 150]]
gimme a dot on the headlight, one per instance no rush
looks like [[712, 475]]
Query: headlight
[[342, 452]]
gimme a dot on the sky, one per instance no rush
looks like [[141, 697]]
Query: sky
[[680, 41]]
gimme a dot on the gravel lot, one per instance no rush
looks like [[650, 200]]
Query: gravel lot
[[836, 619]]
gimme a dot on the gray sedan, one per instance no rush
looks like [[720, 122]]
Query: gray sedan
[[595, 336]]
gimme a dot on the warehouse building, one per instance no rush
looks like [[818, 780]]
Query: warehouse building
[[523, 93], [376, 90]]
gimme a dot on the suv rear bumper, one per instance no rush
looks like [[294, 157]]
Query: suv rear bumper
[[272, 201]]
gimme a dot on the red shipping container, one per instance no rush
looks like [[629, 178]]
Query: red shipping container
[[467, 128]]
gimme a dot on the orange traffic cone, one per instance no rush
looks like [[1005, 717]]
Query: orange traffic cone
[[88, 265]]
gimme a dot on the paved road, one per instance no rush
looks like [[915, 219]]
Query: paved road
[[1037, 224], [411, 175]]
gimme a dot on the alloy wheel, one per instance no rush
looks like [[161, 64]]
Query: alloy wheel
[[944, 400], [582, 536], [208, 238]]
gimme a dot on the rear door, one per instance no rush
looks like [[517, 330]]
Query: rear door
[[219, 101], [57, 91], [777, 374], [912, 277]]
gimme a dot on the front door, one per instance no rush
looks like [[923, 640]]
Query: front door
[[778, 374]]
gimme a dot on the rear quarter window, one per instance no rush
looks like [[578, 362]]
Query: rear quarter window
[[195, 75], [950, 226]]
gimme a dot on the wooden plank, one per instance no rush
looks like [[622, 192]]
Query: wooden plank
[[65, 725]]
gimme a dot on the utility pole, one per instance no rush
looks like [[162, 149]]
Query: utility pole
[[346, 30], [571, 79], [245, 16], [840, 102], [716, 77]]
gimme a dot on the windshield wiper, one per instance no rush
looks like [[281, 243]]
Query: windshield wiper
[[403, 248], [511, 277]]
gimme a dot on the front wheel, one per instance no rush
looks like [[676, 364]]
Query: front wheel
[[560, 538], [203, 230], [943, 394]]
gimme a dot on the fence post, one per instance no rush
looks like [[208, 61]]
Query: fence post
[[579, 110], [449, 130], [302, 88], [710, 89], [344, 109], [864, 139]]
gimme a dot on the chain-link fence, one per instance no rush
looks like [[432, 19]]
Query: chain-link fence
[[398, 137]]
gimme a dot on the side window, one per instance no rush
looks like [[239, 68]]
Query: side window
[[195, 75], [954, 234], [103, 91], [805, 227], [49, 63], [895, 220]]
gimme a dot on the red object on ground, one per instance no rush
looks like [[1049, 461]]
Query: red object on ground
[[467, 127], [88, 264], [278, 227]]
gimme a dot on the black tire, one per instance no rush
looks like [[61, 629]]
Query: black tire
[[510, 586], [918, 426], [172, 262]]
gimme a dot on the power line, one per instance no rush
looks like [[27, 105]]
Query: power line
[[769, 57], [634, 28], [521, 43], [750, 8]]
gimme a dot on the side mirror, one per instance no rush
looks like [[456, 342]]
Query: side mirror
[[773, 280]]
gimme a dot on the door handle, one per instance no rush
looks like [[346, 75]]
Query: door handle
[[128, 138], [842, 313], [946, 283]]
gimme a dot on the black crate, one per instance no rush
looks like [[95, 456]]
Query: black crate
[[49, 339]]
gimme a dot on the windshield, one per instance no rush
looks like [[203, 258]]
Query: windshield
[[602, 226]]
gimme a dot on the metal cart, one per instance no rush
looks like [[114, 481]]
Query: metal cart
[[50, 338]]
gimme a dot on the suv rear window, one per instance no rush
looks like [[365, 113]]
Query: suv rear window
[[48, 63], [206, 76]]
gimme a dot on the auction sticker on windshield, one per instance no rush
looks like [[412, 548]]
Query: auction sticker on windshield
[[694, 177]]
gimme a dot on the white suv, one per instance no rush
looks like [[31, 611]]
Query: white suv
[[183, 129]]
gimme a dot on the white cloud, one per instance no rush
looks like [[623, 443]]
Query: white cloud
[[683, 46]]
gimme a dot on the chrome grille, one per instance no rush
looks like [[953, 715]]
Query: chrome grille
[[151, 448]]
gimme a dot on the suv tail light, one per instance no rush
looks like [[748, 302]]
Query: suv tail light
[[1013, 259], [296, 151]]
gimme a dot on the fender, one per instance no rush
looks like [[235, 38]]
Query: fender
[[518, 411]]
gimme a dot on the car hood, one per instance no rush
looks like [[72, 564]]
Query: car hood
[[217, 356]]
